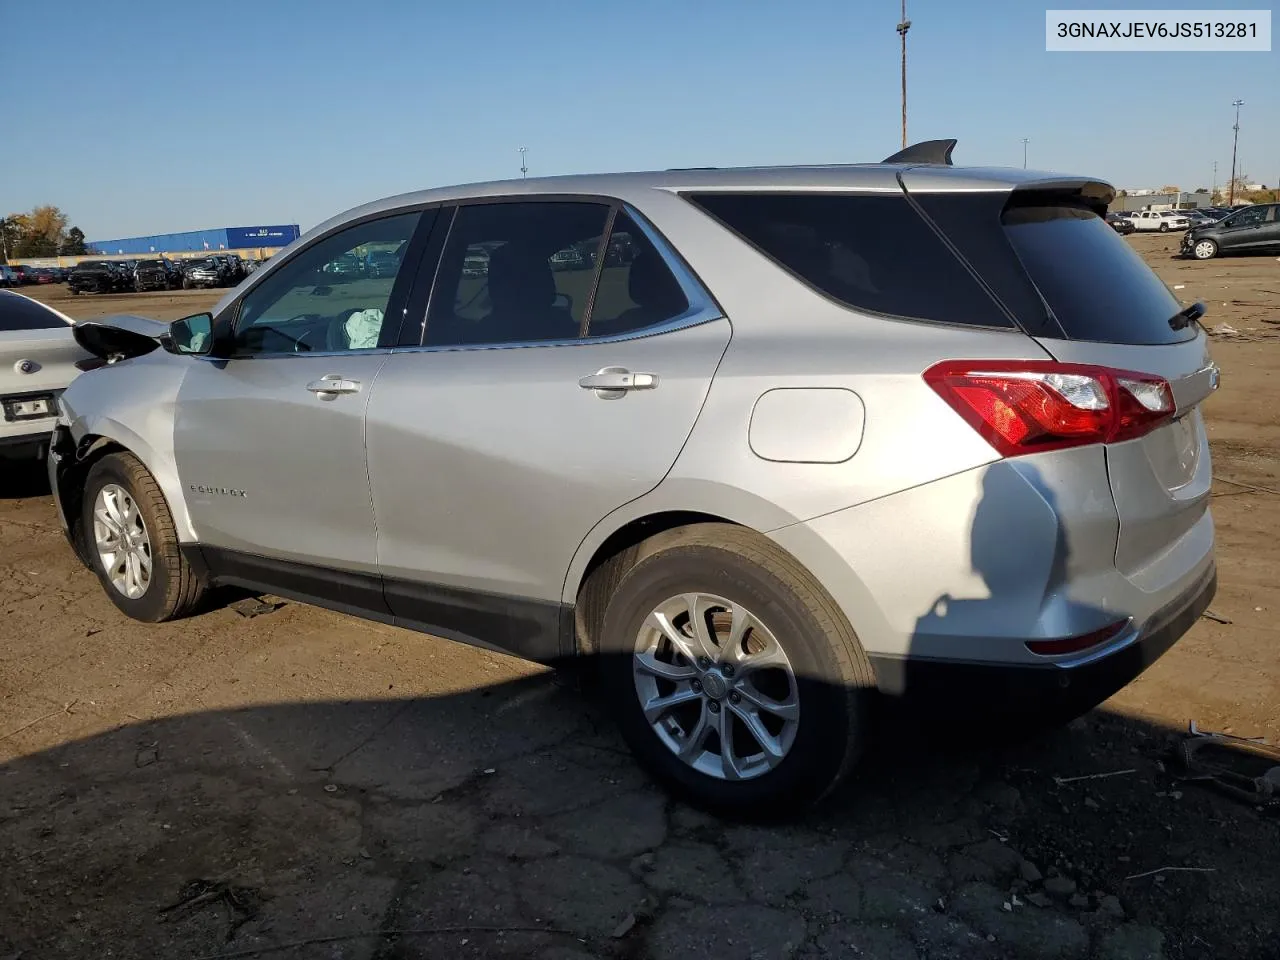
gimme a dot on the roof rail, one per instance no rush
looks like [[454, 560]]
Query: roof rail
[[926, 151]]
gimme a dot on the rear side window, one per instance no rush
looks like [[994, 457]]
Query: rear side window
[[869, 252], [20, 313], [1094, 284], [636, 288]]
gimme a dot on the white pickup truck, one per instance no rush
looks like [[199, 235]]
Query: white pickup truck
[[1162, 220]]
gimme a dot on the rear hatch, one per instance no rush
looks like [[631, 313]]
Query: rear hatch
[[1086, 297]]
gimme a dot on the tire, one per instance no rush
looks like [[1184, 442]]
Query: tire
[[186, 284], [831, 679], [1164, 228], [172, 589], [1204, 249]]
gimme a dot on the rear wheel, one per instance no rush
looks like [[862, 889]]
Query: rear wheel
[[732, 674], [133, 543], [1204, 250]]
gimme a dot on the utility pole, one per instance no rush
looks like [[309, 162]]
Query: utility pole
[[903, 26], [1235, 139], [1025, 141], [1213, 191], [524, 170]]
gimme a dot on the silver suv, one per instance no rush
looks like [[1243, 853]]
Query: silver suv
[[812, 437]]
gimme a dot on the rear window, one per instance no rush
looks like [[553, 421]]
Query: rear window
[[20, 313], [869, 252], [1094, 284]]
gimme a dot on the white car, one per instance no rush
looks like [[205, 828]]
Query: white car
[[1161, 220], [38, 357]]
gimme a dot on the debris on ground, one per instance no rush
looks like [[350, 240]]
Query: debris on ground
[[1216, 617], [242, 903], [1092, 776], [1242, 768], [256, 606]]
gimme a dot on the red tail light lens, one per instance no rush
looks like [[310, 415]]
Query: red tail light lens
[[1030, 406]]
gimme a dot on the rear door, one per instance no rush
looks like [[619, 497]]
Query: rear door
[[556, 378]]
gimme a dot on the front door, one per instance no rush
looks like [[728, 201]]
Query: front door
[[269, 440], [558, 379], [1246, 229]]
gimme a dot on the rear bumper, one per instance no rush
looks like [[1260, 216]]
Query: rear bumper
[[1050, 687]]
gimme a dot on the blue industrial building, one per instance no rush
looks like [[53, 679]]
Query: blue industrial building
[[195, 241]]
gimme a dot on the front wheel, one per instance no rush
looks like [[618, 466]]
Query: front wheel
[[732, 674], [133, 544], [1204, 250], [1164, 228]]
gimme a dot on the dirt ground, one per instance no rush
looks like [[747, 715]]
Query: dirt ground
[[231, 786]]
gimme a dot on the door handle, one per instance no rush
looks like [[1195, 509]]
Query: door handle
[[329, 386], [613, 382]]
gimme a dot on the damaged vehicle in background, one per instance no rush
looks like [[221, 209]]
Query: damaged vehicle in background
[[158, 274], [93, 276], [202, 273], [38, 356], [977, 477]]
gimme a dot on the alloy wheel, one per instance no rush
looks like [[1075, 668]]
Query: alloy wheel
[[716, 686], [124, 546]]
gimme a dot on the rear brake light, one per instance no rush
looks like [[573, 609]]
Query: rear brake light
[[1028, 406]]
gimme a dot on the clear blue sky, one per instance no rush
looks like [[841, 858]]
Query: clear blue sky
[[145, 117]]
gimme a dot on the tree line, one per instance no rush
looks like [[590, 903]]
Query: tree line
[[42, 232]]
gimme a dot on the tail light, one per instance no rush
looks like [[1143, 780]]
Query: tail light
[[1028, 406]]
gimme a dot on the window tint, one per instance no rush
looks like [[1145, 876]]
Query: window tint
[[1248, 217], [20, 313], [636, 289], [872, 253], [1093, 282], [327, 297], [515, 273]]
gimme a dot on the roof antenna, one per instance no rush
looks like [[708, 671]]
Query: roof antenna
[[926, 151]]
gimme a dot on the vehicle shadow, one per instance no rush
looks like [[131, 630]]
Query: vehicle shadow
[[23, 478], [509, 820]]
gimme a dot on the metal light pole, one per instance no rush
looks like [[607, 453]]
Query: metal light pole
[[1235, 139], [1213, 191], [1025, 141], [903, 26], [524, 170]]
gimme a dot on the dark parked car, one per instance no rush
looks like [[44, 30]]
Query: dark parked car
[[152, 275], [24, 273], [93, 276], [1254, 229], [1120, 224], [206, 272]]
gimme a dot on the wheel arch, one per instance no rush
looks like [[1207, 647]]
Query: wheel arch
[[84, 445], [591, 575]]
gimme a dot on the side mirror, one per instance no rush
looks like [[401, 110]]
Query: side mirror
[[191, 335]]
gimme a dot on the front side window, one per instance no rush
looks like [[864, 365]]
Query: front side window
[[326, 298], [1248, 218]]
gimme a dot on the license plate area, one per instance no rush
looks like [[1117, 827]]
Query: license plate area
[[34, 407]]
